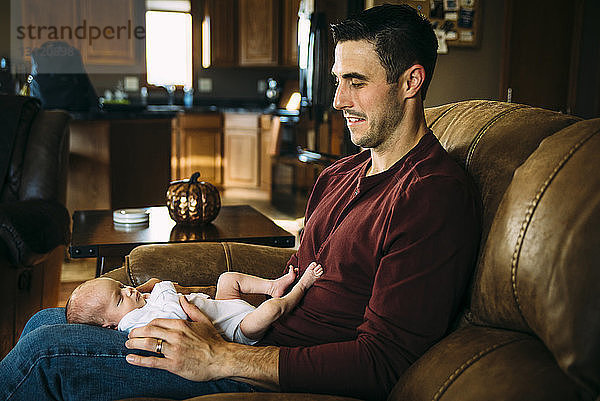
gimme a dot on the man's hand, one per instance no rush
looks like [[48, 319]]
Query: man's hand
[[192, 350], [195, 350]]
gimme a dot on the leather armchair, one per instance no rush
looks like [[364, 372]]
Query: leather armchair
[[34, 223], [530, 328]]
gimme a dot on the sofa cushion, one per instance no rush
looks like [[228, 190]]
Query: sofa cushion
[[539, 270], [32, 228], [490, 140], [17, 114], [480, 363]]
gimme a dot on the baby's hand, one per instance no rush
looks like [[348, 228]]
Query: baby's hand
[[148, 285]]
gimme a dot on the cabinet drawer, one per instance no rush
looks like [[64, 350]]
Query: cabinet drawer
[[242, 120], [202, 121]]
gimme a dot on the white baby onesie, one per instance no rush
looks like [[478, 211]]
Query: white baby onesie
[[225, 314]]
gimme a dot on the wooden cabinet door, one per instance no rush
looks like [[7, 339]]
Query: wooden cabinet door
[[120, 44], [202, 150], [88, 180], [241, 150], [40, 21], [223, 32], [266, 150], [197, 146], [289, 33], [259, 32]]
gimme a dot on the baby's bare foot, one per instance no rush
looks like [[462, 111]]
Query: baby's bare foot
[[311, 274], [281, 284]]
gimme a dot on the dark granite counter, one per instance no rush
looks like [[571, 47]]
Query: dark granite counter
[[139, 111]]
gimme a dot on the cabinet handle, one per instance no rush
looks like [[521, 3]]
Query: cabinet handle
[[509, 95]]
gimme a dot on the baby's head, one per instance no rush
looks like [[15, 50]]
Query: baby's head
[[102, 302]]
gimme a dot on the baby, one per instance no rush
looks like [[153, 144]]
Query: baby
[[108, 303]]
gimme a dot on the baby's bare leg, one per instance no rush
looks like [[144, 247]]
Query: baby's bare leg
[[256, 323], [231, 284]]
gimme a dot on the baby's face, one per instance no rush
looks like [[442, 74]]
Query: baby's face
[[118, 298]]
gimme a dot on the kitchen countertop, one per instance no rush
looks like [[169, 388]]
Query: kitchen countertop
[[132, 112]]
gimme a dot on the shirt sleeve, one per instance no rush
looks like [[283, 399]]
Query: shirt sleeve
[[426, 261]]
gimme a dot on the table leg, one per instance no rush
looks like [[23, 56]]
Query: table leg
[[100, 260], [104, 264]]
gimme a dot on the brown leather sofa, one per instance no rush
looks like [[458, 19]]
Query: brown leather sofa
[[530, 329], [34, 224]]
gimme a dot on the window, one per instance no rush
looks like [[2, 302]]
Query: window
[[169, 42]]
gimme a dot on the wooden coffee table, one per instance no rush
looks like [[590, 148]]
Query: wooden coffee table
[[95, 235]]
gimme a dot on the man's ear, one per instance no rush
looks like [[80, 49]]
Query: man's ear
[[413, 78]]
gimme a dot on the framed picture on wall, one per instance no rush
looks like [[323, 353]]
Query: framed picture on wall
[[459, 20]]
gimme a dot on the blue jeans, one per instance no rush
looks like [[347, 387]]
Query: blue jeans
[[56, 360]]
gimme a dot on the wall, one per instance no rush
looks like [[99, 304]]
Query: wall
[[471, 73]]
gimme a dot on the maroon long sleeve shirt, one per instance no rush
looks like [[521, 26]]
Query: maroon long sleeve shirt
[[397, 249]]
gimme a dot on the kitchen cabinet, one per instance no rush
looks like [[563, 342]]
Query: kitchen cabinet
[[241, 150], [88, 182], [37, 13], [267, 150], [107, 41], [196, 144], [289, 33], [223, 35], [129, 50], [118, 163], [259, 27], [252, 32]]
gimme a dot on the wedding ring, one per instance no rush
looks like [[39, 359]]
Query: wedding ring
[[159, 344]]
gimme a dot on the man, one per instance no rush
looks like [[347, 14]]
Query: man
[[395, 229]]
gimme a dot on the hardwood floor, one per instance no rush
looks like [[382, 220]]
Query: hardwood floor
[[76, 271]]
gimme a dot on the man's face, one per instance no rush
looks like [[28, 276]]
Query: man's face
[[370, 105], [117, 299]]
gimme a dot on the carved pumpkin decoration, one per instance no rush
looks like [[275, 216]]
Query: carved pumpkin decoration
[[192, 201]]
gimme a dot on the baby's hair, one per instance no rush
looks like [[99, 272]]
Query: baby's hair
[[79, 311]]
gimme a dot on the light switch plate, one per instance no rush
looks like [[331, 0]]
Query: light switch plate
[[205, 85], [132, 84]]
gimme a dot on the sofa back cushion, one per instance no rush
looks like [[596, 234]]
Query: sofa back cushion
[[539, 268], [34, 150], [537, 173], [45, 163], [490, 140], [17, 114]]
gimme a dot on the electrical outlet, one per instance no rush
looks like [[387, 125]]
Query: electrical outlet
[[205, 85]]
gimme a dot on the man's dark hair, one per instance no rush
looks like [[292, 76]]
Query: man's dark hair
[[401, 36]]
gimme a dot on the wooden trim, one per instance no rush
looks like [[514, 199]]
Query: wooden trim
[[505, 55], [575, 55], [198, 10]]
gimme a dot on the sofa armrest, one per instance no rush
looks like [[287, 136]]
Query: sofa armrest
[[200, 263], [30, 229]]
